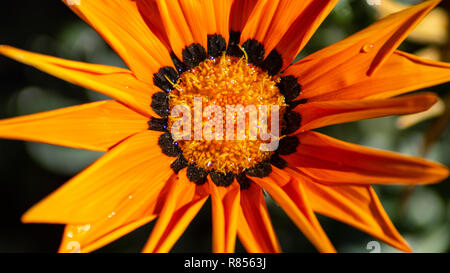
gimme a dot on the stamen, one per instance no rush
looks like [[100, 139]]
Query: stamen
[[245, 53], [226, 81], [175, 85], [237, 75]]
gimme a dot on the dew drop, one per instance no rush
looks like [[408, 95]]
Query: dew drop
[[111, 214], [83, 228], [70, 234], [367, 48]]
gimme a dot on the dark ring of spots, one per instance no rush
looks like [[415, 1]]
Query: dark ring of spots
[[233, 48], [216, 45], [243, 181], [196, 175], [273, 63], [288, 145], [222, 180], [278, 162], [261, 170], [179, 65], [292, 122], [255, 51], [160, 80], [167, 145], [193, 55], [160, 104], [179, 164], [157, 124], [289, 87]]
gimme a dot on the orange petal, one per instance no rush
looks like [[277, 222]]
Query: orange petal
[[259, 20], [294, 39], [330, 160], [214, 18], [292, 199], [117, 83], [356, 205], [176, 26], [222, 11], [94, 126], [135, 211], [99, 191], [198, 19], [183, 201], [347, 64], [225, 213], [90, 237], [120, 23], [240, 12], [318, 114], [255, 229], [150, 14], [400, 74]]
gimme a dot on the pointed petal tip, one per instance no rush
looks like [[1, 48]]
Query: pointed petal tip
[[420, 10], [437, 172], [31, 217], [10, 52], [444, 171], [406, 248]]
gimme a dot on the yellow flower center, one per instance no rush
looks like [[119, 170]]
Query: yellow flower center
[[226, 82]]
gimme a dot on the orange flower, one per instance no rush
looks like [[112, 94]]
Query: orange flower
[[145, 175]]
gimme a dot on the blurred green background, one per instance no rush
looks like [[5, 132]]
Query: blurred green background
[[30, 171]]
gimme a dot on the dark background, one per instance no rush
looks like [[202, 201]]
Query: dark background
[[30, 171]]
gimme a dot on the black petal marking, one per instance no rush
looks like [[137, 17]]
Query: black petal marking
[[160, 104], [216, 45], [296, 103], [157, 124], [179, 65], [196, 175], [243, 181], [288, 145], [193, 55], [160, 80], [261, 170], [289, 87], [167, 145], [179, 164], [255, 51], [222, 180], [273, 63], [292, 122], [233, 48], [278, 162]]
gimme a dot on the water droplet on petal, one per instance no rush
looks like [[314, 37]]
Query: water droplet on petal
[[111, 214], [367, 48], [70, 234], [83, 228]]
